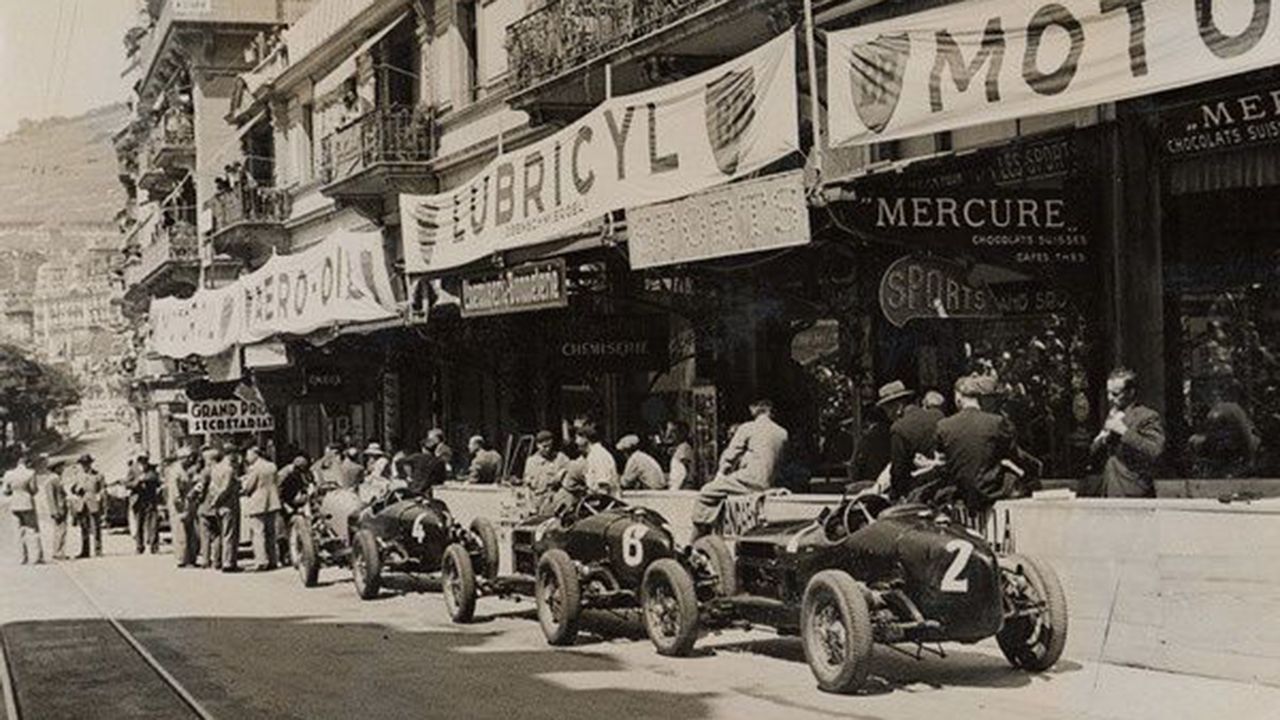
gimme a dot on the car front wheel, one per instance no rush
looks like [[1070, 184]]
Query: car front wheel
[[1033, 639], [366, 565], [559, 597], [835, 626], [670, 607], [484, 531], [302, 550], [718, 556], [458, 580]]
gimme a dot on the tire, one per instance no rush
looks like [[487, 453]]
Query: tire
[[488, 537], [302, 551], [670, 605], [366, 564], [458, 583], [835, 626], [717, 552], [1035, 644], [559, 597]]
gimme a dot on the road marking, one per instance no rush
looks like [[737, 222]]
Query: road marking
[[10, 698]]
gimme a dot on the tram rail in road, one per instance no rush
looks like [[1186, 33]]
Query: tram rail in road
[[86, 667]]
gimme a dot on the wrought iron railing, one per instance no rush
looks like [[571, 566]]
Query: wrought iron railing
[[566, 33], [395, 135], [249, 205], [172, 241]]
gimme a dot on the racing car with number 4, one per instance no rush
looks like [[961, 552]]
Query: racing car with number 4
[[866, 572], [604, 554]]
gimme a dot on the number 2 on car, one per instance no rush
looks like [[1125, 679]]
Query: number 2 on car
[[951, 580]]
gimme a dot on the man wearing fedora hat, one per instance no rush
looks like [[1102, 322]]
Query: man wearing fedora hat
[[912, 432], [86, 488], [178, 480], [262, 490]]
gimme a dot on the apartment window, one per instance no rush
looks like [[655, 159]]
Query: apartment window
[[308, 159], [468, 22]]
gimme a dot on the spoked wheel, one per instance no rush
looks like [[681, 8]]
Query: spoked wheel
[[720, 559], [366, 565], [670, 607], [302, 551], [559, 597], [458, 581], [835, 625], [1033, 639], [485, 532]]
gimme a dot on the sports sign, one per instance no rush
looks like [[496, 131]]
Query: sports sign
[[987, 60], [631, 150], [205, 417]]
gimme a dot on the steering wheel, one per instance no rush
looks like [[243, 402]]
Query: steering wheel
[[861, 502], [595, 504]]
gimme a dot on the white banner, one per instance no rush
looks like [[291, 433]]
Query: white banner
[[978, 62], [340, 280], [632, 150], [205, 417]]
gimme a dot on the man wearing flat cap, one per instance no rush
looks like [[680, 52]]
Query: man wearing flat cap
[[913, 432], [975, 442]]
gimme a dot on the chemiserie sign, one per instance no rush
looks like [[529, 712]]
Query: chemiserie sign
[[205, 417], [982, 61]]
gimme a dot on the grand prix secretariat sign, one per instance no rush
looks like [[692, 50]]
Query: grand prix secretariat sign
[[631, 150], [987, 60], [206, 417], [341, 279]]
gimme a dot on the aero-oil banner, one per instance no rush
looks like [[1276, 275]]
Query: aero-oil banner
[[987, 60], [340, 280], [632, 150]]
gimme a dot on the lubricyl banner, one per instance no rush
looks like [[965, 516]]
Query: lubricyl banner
[[631, 150], [341, 279], [977, 62]]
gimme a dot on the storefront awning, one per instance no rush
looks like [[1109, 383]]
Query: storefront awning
[[333, 81], [1252, 168]]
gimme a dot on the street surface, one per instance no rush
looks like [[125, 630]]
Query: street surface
[[259, 645]]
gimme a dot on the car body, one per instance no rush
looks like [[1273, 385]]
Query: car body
[[602, 554], [394, 533], [867, 572]]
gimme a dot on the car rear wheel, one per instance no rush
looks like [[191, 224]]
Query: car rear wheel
[[1033, 641], [366, 564], [835, 626], [718, 556], [458, 581], [670, 607], [559, 597], [302, 550], [488, 537]]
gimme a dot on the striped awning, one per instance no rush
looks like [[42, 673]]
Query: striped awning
[[1247, 168]]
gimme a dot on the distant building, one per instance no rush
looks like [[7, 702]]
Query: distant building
[[16, 318]]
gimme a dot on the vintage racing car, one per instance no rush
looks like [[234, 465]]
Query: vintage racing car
[[604, 554], [396, 532], [866, 572]]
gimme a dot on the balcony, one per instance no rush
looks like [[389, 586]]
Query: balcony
[[171, 260], [248, 222], [378, 156], [563, 37], [168, 154]]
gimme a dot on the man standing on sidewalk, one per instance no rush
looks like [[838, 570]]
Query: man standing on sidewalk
[[20, 484], [144, 500], [1131, 441], [86, 487], [224, 489], [53, 496], [262, 505], [182, 516], [207, 510]]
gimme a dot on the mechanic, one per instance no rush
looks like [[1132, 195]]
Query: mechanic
[[641, 471], [544, 471], [599, 469], [974, 443], [327, 469], [748, 465], [182, 520], [424, 469], [1132, 440], [262, 505], [486, 464], [350, 471]]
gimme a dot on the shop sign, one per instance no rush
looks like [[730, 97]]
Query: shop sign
[[533, 286], [206, 417], [931, 287], [984, 61], [816, 342], [616, 343], [648, 147], [342, 279], [745, 217], [1223, 123]]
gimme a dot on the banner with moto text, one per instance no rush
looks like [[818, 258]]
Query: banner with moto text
[[342, 279], [983, 61], [631, 150]]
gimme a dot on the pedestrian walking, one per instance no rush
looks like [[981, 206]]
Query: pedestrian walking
[[87, 501], [1131, 441], [748, 465], [178, 483], [19, 483], [641, 470], [224, 488], [207, 510], [52, 500], [262, 506], [144, 505]]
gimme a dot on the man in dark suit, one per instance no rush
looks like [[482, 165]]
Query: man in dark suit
[[224, 490], [913, 432], [424, 469], [974, 442], [1132, 440]]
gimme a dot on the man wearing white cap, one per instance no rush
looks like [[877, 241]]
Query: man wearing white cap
[[642, 471]]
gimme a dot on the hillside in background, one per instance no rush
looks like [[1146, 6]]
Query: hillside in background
[[61, 170]]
